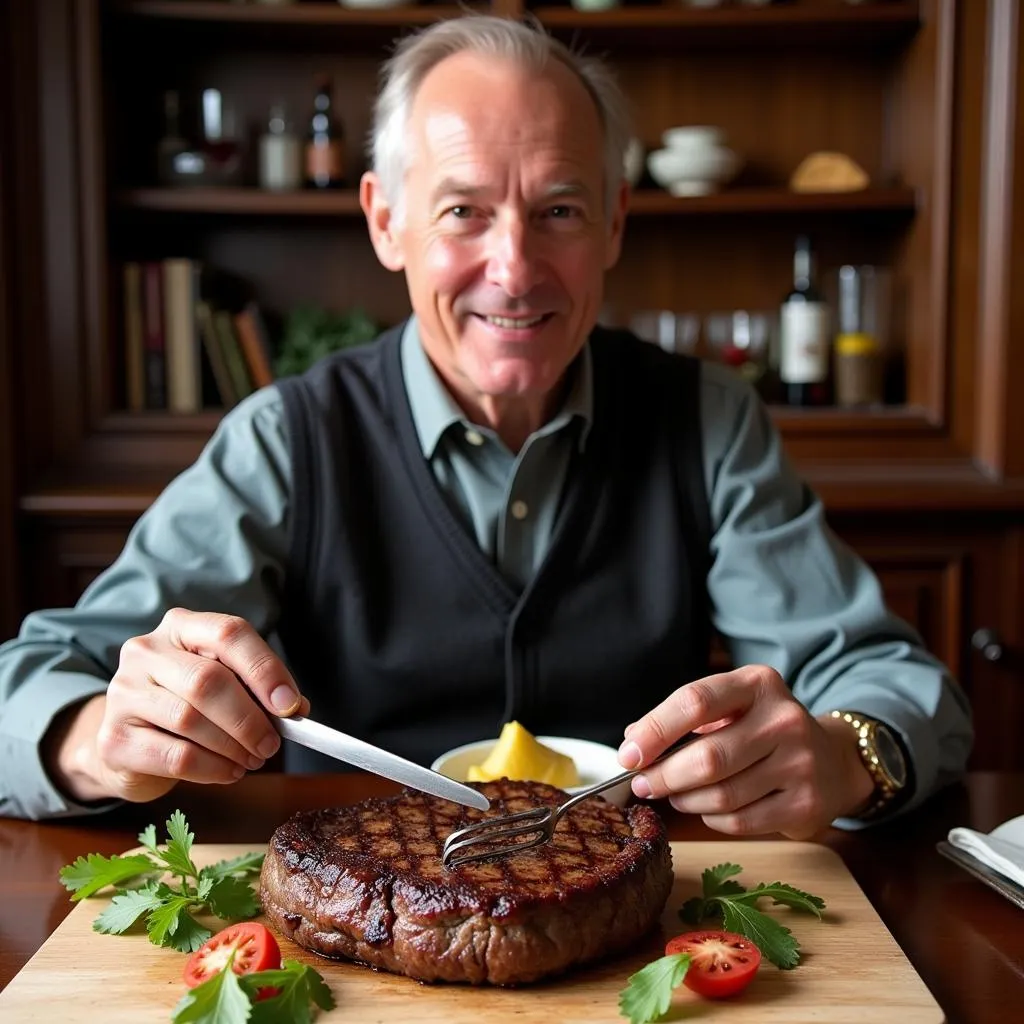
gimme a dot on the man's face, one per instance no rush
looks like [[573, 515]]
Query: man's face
[[505, 237]]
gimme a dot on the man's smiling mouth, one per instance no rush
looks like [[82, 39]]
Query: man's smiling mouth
[[516, 322]]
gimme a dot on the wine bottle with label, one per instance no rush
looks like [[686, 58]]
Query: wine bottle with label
[[804, 335], [325, 143]]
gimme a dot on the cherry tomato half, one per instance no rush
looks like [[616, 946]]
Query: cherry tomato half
[[721, 963], [255, 949]]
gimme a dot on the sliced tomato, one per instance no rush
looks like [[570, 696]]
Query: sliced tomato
[[721, 963], [255, 949]]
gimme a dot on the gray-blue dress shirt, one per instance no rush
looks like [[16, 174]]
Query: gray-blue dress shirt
[[784, 590]]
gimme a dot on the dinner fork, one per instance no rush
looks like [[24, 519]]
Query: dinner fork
[[458, 847]]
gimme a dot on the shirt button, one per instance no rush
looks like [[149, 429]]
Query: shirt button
[[520, 510], [474, 438]]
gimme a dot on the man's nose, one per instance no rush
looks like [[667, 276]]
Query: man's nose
[[512, 263]]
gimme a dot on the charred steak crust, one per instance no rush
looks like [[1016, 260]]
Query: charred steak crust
[[366, 883]]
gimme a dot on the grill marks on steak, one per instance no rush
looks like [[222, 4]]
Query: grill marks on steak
[[366, 883]]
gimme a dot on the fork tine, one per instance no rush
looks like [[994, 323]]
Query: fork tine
[[495, 837], [498, 824], [451, 861], [495, 832]]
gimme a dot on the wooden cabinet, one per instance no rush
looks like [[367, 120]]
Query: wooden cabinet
[[927, 95]]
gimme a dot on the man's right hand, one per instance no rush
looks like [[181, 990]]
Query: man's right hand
[[186, 703]]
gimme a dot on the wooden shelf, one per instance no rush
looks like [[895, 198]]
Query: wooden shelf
[[657, 25], [695, 27], [645, 202], [313, 14]]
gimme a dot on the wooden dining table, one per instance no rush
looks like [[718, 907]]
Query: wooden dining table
[[965, 941]]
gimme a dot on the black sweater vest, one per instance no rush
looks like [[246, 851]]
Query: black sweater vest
[[400, 629]]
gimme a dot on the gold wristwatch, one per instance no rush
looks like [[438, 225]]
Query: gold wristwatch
[[882, 756]]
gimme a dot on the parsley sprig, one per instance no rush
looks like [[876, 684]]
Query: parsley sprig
[[228, 998], [737, 907], [140, 891], [648, 993]]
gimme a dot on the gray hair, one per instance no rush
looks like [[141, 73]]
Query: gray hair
[[526, 45]]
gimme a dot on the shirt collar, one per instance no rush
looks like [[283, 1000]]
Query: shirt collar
[[434, 410]]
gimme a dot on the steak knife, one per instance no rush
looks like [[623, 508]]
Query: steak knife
[[347, 748]]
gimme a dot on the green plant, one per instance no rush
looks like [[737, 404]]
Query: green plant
[[310, 333]]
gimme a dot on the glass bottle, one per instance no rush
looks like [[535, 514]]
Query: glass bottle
[[172, 145], [280, 154], [325, 146], [804, 335], [220, 146]]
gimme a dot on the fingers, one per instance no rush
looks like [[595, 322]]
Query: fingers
[[136, 753], [233, 642], [202, 702], [718, 707]]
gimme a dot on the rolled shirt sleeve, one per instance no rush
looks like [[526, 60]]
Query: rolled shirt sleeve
[[787, 592], [214, 540]]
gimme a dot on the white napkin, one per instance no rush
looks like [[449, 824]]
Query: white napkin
[[1002, 849]]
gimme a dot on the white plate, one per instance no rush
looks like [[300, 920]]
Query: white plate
[[594, 762]]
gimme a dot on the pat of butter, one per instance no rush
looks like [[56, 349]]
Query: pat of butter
[[518, 755]]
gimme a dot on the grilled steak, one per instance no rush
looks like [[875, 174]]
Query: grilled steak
[[366, 883]]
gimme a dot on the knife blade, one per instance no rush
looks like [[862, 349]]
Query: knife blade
[[351, 750]]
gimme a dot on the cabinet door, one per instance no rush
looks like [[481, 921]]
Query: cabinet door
[[63, 557], [958, 585]]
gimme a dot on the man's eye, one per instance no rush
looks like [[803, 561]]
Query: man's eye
[[461, 212], [563, 212]]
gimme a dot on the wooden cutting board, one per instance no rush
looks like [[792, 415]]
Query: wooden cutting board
[[851, 968]]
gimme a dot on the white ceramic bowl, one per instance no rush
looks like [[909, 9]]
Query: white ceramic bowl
[[594, 762], [692, 136], [692, 172]]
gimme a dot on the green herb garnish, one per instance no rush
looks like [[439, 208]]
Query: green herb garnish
[[139, 892], [648, 993], [228, 998], [736, 906]]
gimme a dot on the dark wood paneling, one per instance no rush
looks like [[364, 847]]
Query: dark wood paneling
[[1001, 327], [8, 484]]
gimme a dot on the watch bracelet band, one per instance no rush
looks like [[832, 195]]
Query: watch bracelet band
[[887, 794]]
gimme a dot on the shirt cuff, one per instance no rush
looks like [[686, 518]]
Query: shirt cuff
[[26, 790]]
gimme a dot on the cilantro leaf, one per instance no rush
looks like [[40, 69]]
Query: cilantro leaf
[[246, 864], [786, 895], [231, 898], [178, 855], [774, 940], [223, 887], [648, 994], [125, 909], [166, 919], [147, 838], [300, 985], [220, 1000], [714, 880], [94, 872]]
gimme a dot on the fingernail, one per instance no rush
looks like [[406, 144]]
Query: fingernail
[[255, 762], [641, 787], [237, 772], [268, 746], [629, 755], [284, 698]]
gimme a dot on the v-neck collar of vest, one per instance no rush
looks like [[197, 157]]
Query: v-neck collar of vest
[[583, 476]]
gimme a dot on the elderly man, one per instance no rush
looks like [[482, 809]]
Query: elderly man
[[495, 511]]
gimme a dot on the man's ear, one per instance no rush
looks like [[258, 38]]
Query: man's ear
[[379, 220], [617, 226]]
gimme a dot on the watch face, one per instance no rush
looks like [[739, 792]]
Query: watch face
[[890, 755]]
